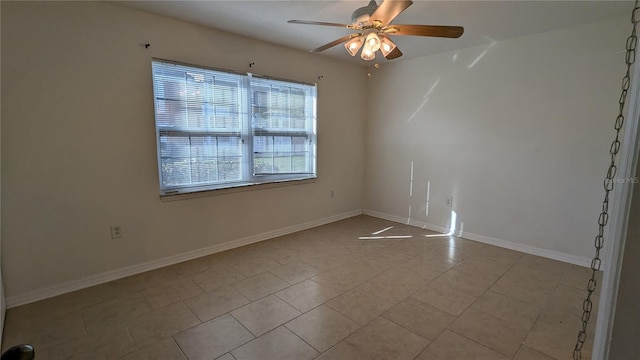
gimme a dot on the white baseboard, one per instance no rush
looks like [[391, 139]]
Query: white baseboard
[[59, 289], [532, 250]]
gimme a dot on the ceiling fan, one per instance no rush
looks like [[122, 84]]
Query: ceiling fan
[[373, 26]]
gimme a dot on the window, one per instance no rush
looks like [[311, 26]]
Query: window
[[217, 129]]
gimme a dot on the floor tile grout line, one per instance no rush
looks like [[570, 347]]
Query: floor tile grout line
[[239, 322], [483, 345], [191, 312], [179, 347], [300, 337], [409, 330], [198, 285], [126, 328], [243, 325]]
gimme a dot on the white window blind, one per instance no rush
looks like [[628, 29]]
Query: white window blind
[[217, 129]]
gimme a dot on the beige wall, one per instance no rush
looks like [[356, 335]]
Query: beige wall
[[517, 132], [79, 151]]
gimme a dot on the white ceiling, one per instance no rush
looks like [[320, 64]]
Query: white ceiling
[[483, 21]]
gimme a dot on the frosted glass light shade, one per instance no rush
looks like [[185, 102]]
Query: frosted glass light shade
[[387, 45], [373, 41], [354, 45], [367, 54]]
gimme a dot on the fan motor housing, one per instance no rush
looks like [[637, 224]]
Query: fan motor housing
[[362, 15]]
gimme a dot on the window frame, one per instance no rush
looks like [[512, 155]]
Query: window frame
[[247, 134]]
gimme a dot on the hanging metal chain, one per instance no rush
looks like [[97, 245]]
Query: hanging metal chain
[[587, 304]]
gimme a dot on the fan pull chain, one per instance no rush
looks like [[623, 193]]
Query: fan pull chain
[[587, 304]]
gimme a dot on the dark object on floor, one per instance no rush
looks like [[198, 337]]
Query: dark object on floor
[[19, 352]]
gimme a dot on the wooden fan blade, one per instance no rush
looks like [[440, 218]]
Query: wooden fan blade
[[425, 30], [394, 54], [388, 10], [306, 22], [334, 43]]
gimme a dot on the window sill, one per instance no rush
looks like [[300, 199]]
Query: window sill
[[234, 189]]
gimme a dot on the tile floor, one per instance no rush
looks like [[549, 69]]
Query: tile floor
[[347, 290]]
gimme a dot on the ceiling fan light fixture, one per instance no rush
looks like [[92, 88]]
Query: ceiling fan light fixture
[[386, 46], [373, 27], [354, 45]]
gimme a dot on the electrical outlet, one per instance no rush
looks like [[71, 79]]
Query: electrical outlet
[[116, 231], [450, 200]]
